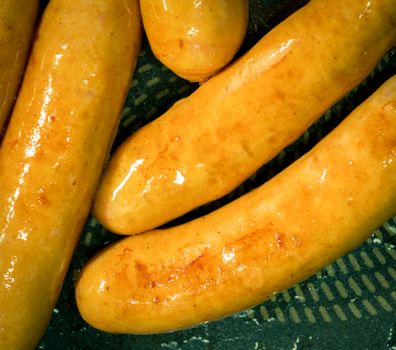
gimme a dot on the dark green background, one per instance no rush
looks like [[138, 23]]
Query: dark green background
[[349, 305]]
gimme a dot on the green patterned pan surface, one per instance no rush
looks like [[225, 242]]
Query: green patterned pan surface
[[350, 304]]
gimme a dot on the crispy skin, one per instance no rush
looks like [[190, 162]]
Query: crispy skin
[[54, 150], [210, 142], [318, 209]]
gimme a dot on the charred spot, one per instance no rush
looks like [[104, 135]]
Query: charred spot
[[43, 199], [196, 262], [138, 266], [280, 95], [125, 252], [143, 275], [12, 144], [164, 150], [156, 300], [153, 284], [181, 43], [248, 240]]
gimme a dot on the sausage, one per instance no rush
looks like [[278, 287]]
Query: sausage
[[316, 210], [195, 39], [17, 19], [54, 150], [210, 142]]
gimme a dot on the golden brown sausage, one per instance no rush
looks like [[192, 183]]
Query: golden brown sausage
[[54, 150], [195, 39], [17, 19], [318, 209], [210, 142]]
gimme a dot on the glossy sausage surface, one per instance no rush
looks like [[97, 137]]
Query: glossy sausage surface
[[54, 150], [212, 141], [195, 39], [17, 19], [318, 209]]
